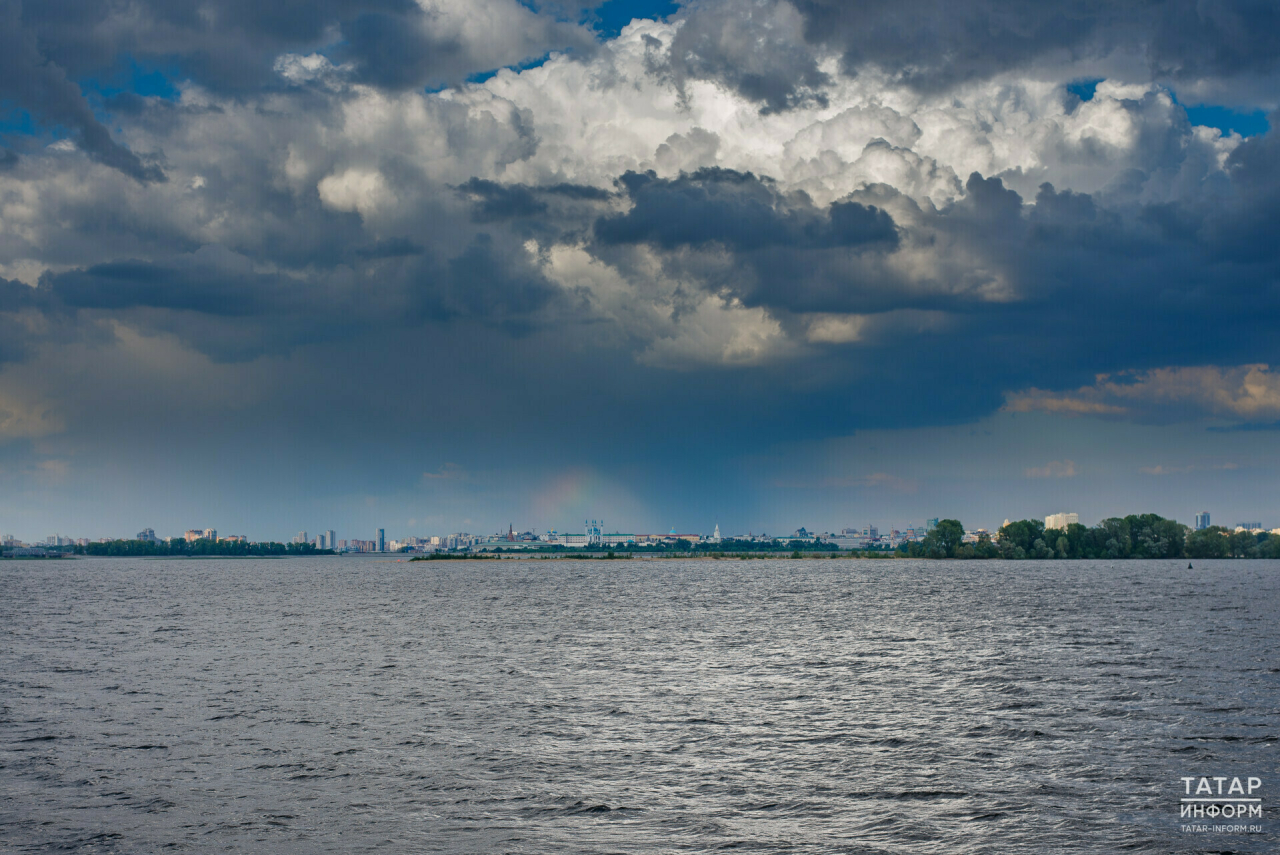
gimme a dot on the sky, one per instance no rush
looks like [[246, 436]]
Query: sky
[[450, 265]]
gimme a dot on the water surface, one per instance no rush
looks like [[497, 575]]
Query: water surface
[[353, 705]]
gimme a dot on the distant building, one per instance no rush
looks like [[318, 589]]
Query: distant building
[[1202, 520], [715, 535], [617, 539], [1249, 526], [692, 538], [930, 525], [331, 538], [192, 535], [1061, 521], [211, 534], [148, 534], [300, 537], [595, 531], [382, 540], [320, 541], [234, 538]]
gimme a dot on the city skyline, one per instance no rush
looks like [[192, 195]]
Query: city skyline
[[327, 539]]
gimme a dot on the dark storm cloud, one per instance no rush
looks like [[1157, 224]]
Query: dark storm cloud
[[1046, 294], [41, 87], [738, 210], [49, 48], [194, 287], [552, 213], [784, 252], [490, 282], [15, 296], [20, 305], [964, 301], [934, 44], [391, 248], [494, 201], [217, 302], [231, 45], [1112, 287], [754, 48], [212, 299]]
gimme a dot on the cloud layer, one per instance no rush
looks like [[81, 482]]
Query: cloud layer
[[906, 213]]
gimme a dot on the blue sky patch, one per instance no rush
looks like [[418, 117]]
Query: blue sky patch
[[613, 15], [1084, 89], [1227, 120], [16, 121], [135, 78]]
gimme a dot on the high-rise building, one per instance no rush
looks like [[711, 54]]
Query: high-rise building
[[320, 543], [1202, 520], [148, 534], [331, 539], [192, 535], [382, 540], [1250, 526], [930, 525], [300, 537], [210, 534], [1061, 521]]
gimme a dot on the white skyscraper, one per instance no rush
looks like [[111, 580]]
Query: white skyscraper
[[1061, 521]]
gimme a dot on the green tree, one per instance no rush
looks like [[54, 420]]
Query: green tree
[[1268, 547], [1211, 542], [1240, 542], [943, 540], [985, 548], [1017, 539]]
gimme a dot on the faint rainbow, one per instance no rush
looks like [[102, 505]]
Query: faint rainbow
[[564, 500]]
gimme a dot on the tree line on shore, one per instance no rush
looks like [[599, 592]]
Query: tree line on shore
[[1134, 536], [200, 547]]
